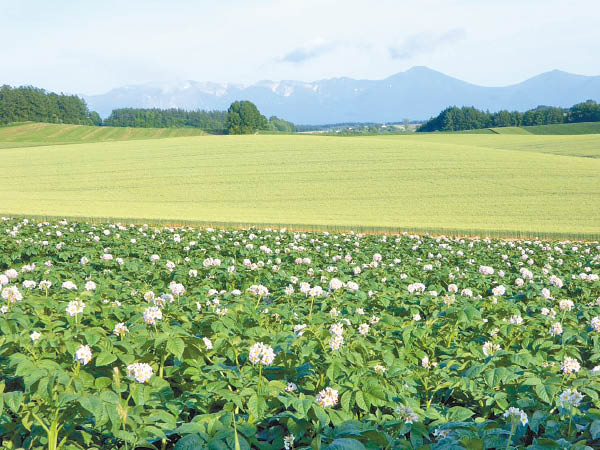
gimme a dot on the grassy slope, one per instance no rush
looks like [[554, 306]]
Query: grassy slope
[[556, 129], [566, 128], [509, 130], [34, 134], [438, 181], [586, 146]]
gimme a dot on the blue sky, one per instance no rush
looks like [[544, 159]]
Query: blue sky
[[91, 47]]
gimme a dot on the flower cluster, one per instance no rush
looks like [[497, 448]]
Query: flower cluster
[[259, 290], [299, 329], [407, 414], [566, 305], [288, 442], [69, 285], [12, 294], [35, 336], [595, 323], [261, 353], [516, 414], [490, 348], [140, 372], [177, 288], [363, 329], [75, 307], [152, 315], [570, 398], [426, 363], [337, 338], [570, 365], [83, 355], [379, 369], [327, 398], [556, 329], [120, 329]]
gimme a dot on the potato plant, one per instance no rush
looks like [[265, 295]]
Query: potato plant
[[131, 337]]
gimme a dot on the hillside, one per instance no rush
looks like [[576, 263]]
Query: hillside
[[560, 129], [581, 146], [31, 134], [417, 94], [435, 182], [565, 128], [509, 130]]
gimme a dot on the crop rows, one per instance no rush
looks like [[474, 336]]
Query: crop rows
[[116, 336]]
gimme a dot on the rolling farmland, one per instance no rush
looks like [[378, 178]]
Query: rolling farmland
[[565, 128], [438, 182], [32, 134], [557, 129]]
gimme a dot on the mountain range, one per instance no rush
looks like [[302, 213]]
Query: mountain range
[[416, 94]]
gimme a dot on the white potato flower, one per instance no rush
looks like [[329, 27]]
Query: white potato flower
[[570, 365], [83, 355], [75, 307], [261, 354], [120, 329], [152, 315], [327, 398], [140, 372], [35, 336]]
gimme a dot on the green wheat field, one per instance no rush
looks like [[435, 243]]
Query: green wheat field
[[492, 184]]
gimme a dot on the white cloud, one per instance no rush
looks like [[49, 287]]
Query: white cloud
[[425, 42], [312, 50]]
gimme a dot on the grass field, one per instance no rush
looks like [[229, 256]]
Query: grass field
[[34, 134], [566, 128], [556, 129], [486, 183], [584, 146], [509, 130]]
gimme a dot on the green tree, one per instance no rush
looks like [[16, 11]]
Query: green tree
[[243, 117], [588, 111], [27, 103], [95, 118], [283, 126]]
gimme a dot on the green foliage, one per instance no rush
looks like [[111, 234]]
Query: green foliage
[[470, 118], [95, 119], [26, 103], [243, 117], [588, 111], [419, 377], [283, 126], [210, 121]]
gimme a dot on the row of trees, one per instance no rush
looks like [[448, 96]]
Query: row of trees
[[242, 117], [30, 104], [211, 121], [470, 118], [27, 103]]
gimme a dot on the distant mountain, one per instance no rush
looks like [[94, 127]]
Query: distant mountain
[[417, 94]]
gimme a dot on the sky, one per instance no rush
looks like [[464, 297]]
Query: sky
[[91, 47]]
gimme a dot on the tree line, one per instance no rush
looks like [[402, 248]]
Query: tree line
[[27, 103], [211, 121], [470, 118], [30, 104], [242, 117]]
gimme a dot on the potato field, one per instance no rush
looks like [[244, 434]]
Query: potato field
[[117, 336]]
